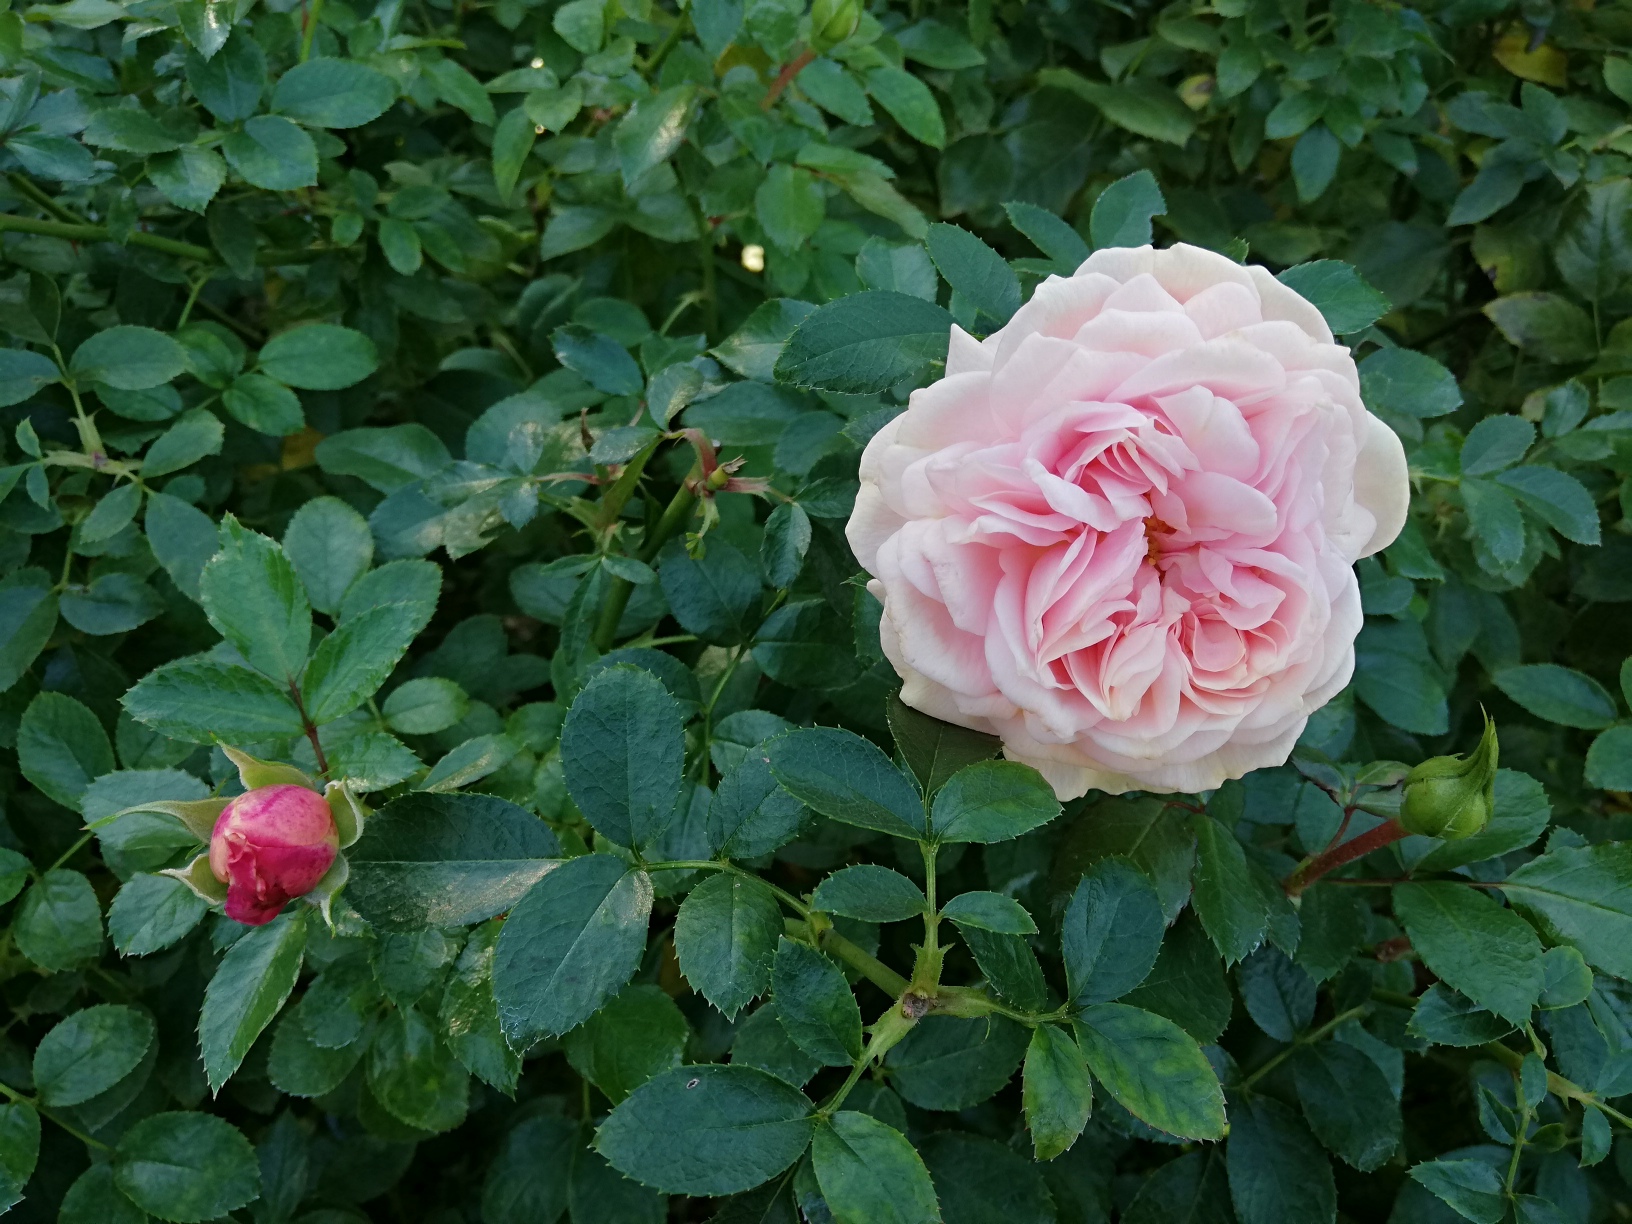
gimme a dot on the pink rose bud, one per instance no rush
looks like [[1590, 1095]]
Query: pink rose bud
[[270, 845]]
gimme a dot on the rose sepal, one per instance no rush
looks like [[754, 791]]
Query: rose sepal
[[350, 812], [198, 815], [255, 773], [198, 877]]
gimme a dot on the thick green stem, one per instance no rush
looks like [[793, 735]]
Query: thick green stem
[[1556, 1084], [859, 959], [153, 242], [23, 1099]]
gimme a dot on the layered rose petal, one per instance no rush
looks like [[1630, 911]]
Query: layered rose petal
[[1120, 532]]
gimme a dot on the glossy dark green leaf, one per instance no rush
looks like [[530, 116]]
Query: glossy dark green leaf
[[992, 801], [186, 1167], [89, 1052], [1474, 945], [639, 1034], [815, 1004], [569, 945], [1153, 1068], [432, 860], [1058, 1094], [725, 937], [865, 343], [707, 1129], [871, 893], [250, 986], [847, 778], [1277, 1170], [946, 1063], [868, 1171], [1112, 932], [622, 753]]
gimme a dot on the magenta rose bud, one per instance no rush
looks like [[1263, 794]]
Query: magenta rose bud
[[271, 845]]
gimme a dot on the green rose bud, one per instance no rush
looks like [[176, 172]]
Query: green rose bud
[[833, 21], [1451, 796]]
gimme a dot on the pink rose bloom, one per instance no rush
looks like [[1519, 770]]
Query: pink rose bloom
[[1120, 532], [270, 845]]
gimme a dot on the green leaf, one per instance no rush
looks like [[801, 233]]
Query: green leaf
[[974, 270], [715, 596], [189, 178], [1609, 760], [435, 860], [28, 615], [151, 912], [1277, 1170], [193, 435], [992, 801], [228, 86], [528, 1179], [622, 752], [1558, 694], [750, 813], [1057, 1093], [425, 706], [186, 1167], [19, 1154], [1143, 107], [1474, 945], [707, 1129], [815, 1004], [353, 661], [62, 748], [1339, 292], [1495, 443], [1314, 162], [319, 357], [947, 1063], [787, 539], [1594, 248], [870, 893], [90, 1052], [386, 458], [569, 945], [1409, 383], [1446, 1018], [1397, 677], [249, 988], [905, 268], [1052, 236], [112, 603], [58, 924], [725, 937], [752, 350], [1187, 983], [199, 700], [935, 750], [300, 1067], [94, 1199], [1279, 996], [23, 373], [457, 87], [865, 343], [1348, 1103], [333, 93], [1153, 1068], [1192, 1188], [329, 544], [652, 131], [264, 405], [789, 206], [1111, 933], [908, 101], [253, 598], [639, 1034], [1121, 215], [604, 363], [759, 1040], [129, 358], [1225, 900], [1559, 499], [870, 1174], [273, 154], [513, 141], [847, 779], [1469, 1187], [1546, 325], [988, 911], [981, 1179], [1582, 895], [414, 1076], [1009, 966], [1566, 981], [470, 1018], [1152, 835]]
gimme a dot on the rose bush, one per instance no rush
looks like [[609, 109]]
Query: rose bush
[[1120, 533], [617, 611]]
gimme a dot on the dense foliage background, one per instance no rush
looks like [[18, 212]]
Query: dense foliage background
[[459, 333]]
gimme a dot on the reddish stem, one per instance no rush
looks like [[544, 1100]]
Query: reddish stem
[[790, 70], [1373, 839]]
